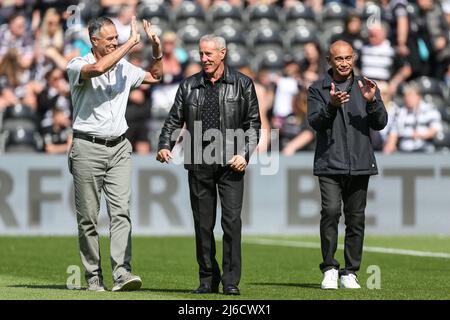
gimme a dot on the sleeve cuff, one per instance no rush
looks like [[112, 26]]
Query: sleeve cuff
[[372, 106]]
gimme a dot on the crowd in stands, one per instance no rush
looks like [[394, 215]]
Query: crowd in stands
[[402, 45]]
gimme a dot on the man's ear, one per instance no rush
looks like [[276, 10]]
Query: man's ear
[[223, 53], [328, 60], [94, 41]]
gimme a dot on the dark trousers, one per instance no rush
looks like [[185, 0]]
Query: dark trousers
[[352, 191], [203, 186]]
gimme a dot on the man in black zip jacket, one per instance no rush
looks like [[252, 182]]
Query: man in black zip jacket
[[212, 104], [342, 108]]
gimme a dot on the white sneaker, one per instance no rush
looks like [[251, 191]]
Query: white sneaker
[[330, 279], [350, 282]]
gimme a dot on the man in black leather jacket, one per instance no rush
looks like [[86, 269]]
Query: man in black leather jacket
[[342, 108], [220, 110]]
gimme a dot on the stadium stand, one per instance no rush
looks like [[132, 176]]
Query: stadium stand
[[262, 35]]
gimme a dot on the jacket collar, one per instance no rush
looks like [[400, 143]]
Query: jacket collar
[[227, 77]]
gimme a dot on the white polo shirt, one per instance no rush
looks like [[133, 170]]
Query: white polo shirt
[[99, 103]]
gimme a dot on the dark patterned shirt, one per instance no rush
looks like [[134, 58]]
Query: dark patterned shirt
[[210, 108]]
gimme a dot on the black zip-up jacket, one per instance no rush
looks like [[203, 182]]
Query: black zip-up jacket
[[238, 106], [343, 133]]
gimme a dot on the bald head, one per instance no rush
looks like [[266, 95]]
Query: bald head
[[338, 46], [340, 58]]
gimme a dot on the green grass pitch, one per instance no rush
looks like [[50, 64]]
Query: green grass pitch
[[35, 268]]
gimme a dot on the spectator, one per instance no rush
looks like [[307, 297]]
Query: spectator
[[15, 82], [446, 76], [416, 125], [313, 60], [49, 44], [263, 102], [138, 113], [58, 135], [9, 8], [392, 109], [191, 69], [122, 21], [15, 36], [77, 42], [296, 134], [433, 33], [379, 61], [174, 61], [56, 91], [352, 33], [395, 12], [287, 88]]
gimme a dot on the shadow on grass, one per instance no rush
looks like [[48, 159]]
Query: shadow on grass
[[156, 290], [63, 287], [296, 285], [40, 286]]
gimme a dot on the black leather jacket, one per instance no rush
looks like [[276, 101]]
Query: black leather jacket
[[343, 133], [238, 107]]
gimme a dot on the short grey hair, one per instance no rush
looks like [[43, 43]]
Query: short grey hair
[[218, 40], [96, 24], [412, 86]]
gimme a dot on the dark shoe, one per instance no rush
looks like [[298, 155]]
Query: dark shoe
[[231, 290], [206, 288]]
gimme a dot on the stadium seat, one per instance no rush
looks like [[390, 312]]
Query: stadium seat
[[442, 139], [224, 14], [298, 15], [89, 10], [430, 86], [263, 39], [237, 56], [296, 38], [272, 60], [19, 116], [157, 14], [22, 140], [231, 34], [190, 36], [262, 15], [189, 13], [445, 112], [333, 17]]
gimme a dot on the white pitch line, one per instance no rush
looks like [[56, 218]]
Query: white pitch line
[[315, 245]]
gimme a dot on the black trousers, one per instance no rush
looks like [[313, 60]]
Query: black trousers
[[203, 186], [352, 191]]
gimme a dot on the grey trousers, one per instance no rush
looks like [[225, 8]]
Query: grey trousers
[[94, 168]]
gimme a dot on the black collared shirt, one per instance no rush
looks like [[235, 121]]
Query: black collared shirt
[[210, 109]]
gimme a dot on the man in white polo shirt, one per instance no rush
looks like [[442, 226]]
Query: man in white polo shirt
[[100, 156]]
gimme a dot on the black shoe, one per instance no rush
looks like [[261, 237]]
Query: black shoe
[[231, 290], [206, 288]]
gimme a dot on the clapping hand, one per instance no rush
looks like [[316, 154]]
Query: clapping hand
[[150, 33], [337, 98], [135, 37], [368, 89]]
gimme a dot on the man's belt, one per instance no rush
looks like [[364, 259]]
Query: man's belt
[[104, 142]]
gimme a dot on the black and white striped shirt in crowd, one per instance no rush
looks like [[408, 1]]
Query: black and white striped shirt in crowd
[[378, 62], [408, 121]]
